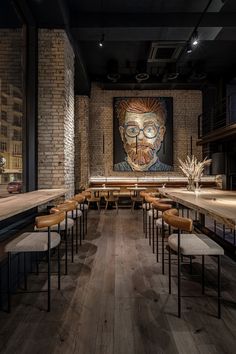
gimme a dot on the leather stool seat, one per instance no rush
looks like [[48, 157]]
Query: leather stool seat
[[195, 245], [33, 242]]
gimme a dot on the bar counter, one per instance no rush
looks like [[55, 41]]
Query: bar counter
[[19, 203], [216, 204]]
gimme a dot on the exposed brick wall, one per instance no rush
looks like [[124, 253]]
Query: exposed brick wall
[[82, 168], [55, 111], [187, 105]]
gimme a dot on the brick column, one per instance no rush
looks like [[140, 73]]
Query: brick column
[[82, 168], [55, 111]]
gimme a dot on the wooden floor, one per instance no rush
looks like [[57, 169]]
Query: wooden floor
[[115, 300]]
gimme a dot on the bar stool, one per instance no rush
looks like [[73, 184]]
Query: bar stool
[[150, 215], [77, 216], [81, 198], [111, 198], [189, 244], [66, 226], [161, 225], [93, 198], [38, 242]]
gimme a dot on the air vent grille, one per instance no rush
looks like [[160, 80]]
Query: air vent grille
[[164, 52]]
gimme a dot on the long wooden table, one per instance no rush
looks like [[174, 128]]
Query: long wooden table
[[19, 203], [217, 204]]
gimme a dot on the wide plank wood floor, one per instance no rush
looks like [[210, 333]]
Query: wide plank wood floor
[[115, 300]]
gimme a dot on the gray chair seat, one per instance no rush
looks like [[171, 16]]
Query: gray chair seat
[[84, 206], [33, 242], [192, 244], [72, 214], [70, 224], [150, 213], [159, 224], [146, 206]]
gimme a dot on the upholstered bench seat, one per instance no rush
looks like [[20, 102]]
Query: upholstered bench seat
[[33, 242], [192, 244]]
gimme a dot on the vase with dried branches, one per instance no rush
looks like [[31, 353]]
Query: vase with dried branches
[[193, 170]]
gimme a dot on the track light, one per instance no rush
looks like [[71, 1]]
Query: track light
[[101, 42], [195, 39], [189, 48]]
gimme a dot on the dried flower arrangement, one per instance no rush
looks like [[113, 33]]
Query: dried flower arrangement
[[193, 169]]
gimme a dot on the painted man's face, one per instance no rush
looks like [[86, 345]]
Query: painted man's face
[[142, 136]]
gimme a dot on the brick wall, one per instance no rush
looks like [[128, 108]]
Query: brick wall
[[187, 105], [82, 168], [55, 111]]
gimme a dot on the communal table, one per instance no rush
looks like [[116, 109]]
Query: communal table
[[19, 203], [217, 204]]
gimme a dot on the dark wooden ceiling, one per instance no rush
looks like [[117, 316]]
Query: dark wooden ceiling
[[130, 29]]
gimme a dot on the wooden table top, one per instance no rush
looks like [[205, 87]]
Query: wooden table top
[[104, 189], [217, 204], [19, 203]]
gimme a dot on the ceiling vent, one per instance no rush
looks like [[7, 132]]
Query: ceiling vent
[[164, 52]]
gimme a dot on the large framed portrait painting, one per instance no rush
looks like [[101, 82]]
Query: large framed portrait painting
[[143, 134]]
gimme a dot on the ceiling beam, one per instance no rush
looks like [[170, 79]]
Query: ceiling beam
[[145, 34], [24, 12], [186, 19], [82, 84]]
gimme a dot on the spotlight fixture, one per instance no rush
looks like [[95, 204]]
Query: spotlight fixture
[[195, 39], [189, 48], [101, 42]]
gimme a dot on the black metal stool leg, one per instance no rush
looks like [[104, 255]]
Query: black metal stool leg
[[58, 268], [66, 245], [72, 244], [76, 233], [9, 283], [153, 243], [203, 274], [86, 221], [169, 270], [25, 272], [157, 243], [80, 230], [49, 280], [179, 277], [149, 229], [162, 244], [219, 286]]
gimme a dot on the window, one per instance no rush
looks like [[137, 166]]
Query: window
[[16, 150], [4, 130], [3, 146], [4, 116], [17, 135]]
